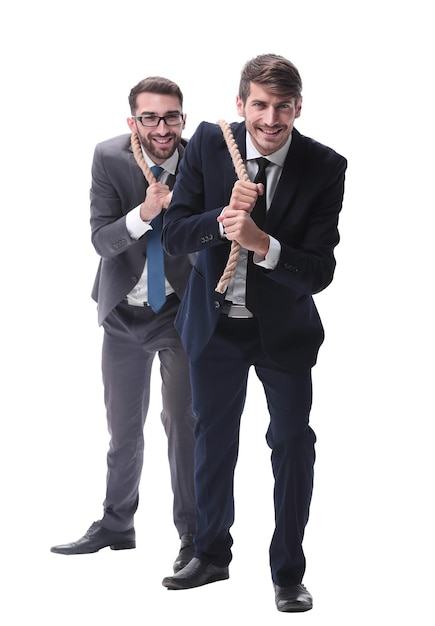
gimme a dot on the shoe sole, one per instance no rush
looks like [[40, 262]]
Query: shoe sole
[[173, 586], [295, 609], [129, 545]]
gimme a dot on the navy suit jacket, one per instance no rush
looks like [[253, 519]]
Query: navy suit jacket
[[303, 217], [118, 185]]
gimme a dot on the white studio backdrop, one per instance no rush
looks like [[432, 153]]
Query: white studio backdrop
[[368, 93]]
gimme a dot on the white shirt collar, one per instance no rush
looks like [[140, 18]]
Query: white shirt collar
[[170, 165], [277, 157]]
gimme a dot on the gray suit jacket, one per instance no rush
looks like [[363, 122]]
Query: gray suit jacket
[[118, 185]]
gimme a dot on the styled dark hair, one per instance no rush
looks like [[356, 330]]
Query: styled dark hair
[[154, 84], [275, 73]]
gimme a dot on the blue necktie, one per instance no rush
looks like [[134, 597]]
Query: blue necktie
[[156, 265]]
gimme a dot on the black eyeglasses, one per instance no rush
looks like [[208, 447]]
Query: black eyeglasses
[[172, 119]]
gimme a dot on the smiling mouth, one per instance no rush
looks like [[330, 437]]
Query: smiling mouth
[[162, 141], [269, 132]]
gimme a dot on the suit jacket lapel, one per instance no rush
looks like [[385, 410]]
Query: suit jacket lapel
[[289, 180], [239, 134], [288, 183]]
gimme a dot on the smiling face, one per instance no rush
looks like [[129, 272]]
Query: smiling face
[[269, 117], [161, 141]]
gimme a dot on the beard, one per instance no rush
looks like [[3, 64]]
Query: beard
[[160, 151]]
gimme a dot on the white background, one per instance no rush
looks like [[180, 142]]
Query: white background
[[367, 70]]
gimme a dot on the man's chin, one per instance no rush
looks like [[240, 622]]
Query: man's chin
[[164, 153]]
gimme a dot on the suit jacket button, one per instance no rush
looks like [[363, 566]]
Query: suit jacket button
[[134, 279], [291, 268], [217, 304]]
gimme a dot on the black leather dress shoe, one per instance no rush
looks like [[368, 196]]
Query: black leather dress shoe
[[98, 537], [294, 599], [196, 574], [186, 552]]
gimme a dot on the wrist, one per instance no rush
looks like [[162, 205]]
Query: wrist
[[263, 246]]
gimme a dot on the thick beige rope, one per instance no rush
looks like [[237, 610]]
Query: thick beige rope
[[149, 176], [137, 151], [242, 175]]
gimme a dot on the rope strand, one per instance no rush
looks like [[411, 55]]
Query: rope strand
[[242, 174], [149, 176], [137, 151]]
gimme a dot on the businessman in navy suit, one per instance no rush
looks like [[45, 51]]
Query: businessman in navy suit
[[125, 208], [268, 321]]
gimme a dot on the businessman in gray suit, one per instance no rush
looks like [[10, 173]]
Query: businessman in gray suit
[[126, 214]]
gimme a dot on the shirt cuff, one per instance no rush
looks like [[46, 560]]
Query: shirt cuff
[[272, 256], [135, 225]]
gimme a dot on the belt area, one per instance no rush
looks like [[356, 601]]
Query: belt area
[[169, 297], [236, 311]]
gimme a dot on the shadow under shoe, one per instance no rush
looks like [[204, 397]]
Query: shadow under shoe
[[96, 538]]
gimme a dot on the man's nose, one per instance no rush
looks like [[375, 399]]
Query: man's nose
[[270, 116]]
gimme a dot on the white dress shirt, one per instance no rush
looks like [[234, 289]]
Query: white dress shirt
[[137, 228]]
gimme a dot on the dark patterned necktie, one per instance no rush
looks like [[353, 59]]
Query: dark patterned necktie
[[155, 260], [259, 216]]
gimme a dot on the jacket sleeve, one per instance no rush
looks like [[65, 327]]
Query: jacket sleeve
[[190, 223], [309, 235], [109, 233]]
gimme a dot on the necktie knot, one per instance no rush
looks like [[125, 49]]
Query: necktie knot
[[262, 164], [156, 170]]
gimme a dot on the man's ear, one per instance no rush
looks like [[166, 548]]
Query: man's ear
[[240, 106], [298, 107], [131, 124]]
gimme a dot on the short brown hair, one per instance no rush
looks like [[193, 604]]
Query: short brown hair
[[274, 72], [154, 84]]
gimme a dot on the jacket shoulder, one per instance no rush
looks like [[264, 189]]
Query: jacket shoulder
[[316, 150], [209, 138], [115, 144], [214, 131]]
